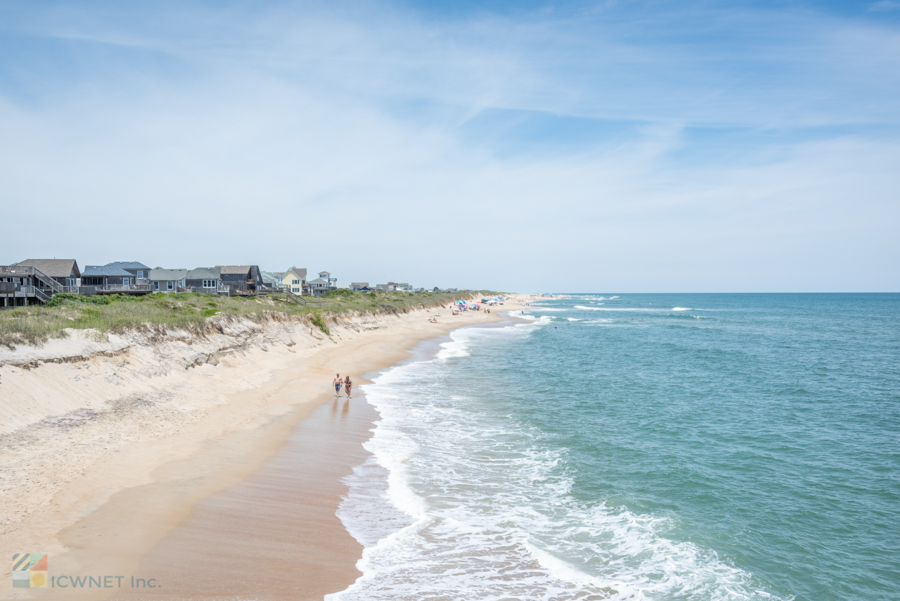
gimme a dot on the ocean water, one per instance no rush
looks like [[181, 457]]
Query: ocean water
[[720, 447]]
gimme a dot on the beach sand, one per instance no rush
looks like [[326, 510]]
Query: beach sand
[[160, 490]]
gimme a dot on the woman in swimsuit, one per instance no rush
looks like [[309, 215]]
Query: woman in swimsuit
[[348, 385], [337, 385]]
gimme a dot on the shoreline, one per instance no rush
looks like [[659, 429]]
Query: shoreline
[[276, 534], [162, 479]]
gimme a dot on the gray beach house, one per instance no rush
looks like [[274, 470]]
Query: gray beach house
[[167, 280]]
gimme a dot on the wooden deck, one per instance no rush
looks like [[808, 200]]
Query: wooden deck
[[35, 287]]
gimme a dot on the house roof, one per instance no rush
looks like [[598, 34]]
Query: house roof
[[105, 271], [234, 269], [318, 281], [167, 274], [127, 265], [299, 271], [55, 268], [203, 273]]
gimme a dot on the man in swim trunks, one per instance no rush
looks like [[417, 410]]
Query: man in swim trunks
[[337, 385]]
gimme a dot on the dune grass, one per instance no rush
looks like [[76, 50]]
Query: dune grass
[[191, 311]]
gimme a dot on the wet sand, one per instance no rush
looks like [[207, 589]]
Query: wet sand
[[247, 515], [275, 535], [244, 530]]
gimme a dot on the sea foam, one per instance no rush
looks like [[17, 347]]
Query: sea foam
[[460, 502]]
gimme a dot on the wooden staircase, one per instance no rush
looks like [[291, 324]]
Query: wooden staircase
[[42, 293]]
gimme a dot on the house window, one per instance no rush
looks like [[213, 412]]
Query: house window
[[295, 282], [126, 281], [295, 289], [170, 285], [209, 283], [156, 286], [70, 281], [140, 274]]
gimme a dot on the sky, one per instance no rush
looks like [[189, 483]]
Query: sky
[[609, 146]]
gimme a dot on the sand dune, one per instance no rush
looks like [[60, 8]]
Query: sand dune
[[87, 419]]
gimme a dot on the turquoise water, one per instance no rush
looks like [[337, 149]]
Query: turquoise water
[[642, 447]]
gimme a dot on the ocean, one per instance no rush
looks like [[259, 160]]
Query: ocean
[[641, 446]]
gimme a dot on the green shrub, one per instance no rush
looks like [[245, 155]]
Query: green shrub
[[119, 313], [60, 299], [317, 320], [342, 293], [64, 298]]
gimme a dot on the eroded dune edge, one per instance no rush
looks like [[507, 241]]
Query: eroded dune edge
[[88, 416]]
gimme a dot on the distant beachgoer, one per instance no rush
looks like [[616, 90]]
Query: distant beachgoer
[[348, 384], [337, 385]]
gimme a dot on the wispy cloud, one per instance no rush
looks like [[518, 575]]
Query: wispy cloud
[[884, 5], [588, 145]]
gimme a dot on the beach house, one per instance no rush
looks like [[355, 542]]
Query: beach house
[[294, 279], [324, 275], [34, 281], [240, 279], [272, 279], [318, 287], [360, 286], [395, 286], [138, 270], [104, 275], [102, 278], [203, 279], [64, 272], [167, 280], [322, 284]]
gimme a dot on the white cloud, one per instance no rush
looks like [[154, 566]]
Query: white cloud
[[332, 139]]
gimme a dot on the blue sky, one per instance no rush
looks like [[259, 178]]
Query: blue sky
[[585, 146]]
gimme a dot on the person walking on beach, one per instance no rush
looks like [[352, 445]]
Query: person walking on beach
[[348, 384], [337, 385]]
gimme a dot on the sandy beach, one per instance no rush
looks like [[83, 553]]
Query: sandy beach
[[139, 455]]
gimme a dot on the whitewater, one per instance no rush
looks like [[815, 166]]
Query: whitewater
[[562, 457]]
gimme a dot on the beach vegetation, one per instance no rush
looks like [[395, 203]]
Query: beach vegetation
[[117, 313], [316, 318]]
